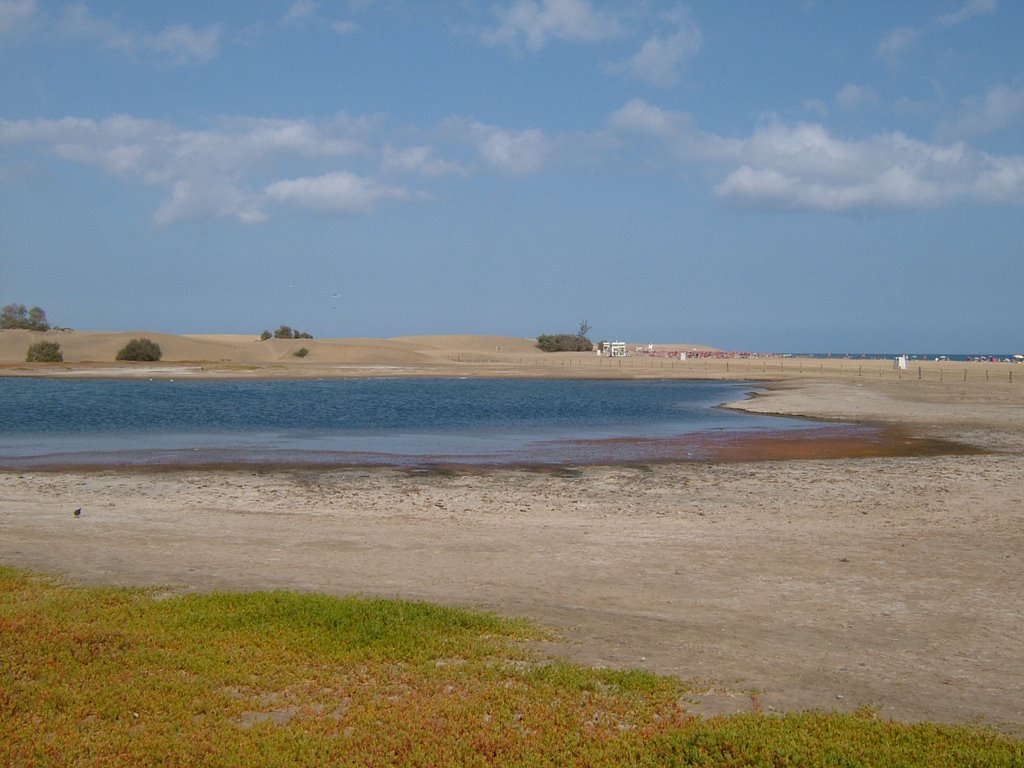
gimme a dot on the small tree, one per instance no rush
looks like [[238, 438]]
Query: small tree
[[283, 332], [37, 319], [17, 316], [585, 327], [265, 335], [45, 352], [140, 350]]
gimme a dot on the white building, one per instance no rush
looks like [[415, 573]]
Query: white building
[[613, 348]]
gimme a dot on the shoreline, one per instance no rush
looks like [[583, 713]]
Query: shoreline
[[841, 431], [893, 582], [825, 442]]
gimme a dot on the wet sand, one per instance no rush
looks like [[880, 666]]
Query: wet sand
[[783, 582]]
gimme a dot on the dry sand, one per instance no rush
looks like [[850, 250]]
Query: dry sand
[[893, 582]]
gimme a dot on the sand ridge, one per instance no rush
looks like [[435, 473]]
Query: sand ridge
[[240, 355]]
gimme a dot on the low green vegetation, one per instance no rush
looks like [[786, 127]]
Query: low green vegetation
[[301, 352], [118, 677], [44, 352], [140, 350]]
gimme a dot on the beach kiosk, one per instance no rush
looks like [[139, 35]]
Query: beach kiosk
[[614, 348]]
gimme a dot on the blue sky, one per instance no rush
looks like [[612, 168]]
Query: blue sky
[[770, 176]]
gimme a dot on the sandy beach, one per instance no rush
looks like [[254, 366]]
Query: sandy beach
[[891, 581]]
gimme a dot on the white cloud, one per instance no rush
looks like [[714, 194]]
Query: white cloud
[[538, 22], [338, 193], [514, 152], [852, 96], [966, 12], [677, 130], [895, 42], [419, 159], [637, 116], [14, 13], [803, 167], [209, 198], [659, 59], [215, 172], [299, 10], [237, 167], [180, 43], [1001, 108], [1003, 182]]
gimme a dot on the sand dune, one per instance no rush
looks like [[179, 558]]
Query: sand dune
[[82, 347], [245, 356], [222, 351]]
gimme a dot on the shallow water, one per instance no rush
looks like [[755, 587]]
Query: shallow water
[[46, 422]]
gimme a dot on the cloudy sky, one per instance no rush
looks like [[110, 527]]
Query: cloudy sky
[[794, 175]]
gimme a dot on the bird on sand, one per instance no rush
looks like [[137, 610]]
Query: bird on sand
[[78, 512]]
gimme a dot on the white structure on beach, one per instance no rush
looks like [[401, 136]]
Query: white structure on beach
[[614, 348]]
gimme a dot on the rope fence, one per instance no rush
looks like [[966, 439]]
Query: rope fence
[[754, 367]]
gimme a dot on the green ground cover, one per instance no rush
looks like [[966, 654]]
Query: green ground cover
[[120, 677]]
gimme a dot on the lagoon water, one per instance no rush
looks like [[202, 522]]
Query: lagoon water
[[401, 422]]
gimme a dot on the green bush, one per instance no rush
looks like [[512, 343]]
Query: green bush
[[565, 342], [45, 352], [140, 350], [301, 353], [265, 335]]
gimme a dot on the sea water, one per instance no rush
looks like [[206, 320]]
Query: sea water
[[400, 421]]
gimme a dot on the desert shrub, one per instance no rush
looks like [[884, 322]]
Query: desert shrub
[[17, 316], [301, 352], [140, 350], [287, 332], [564, 342], [45, 352], [265, 335]]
